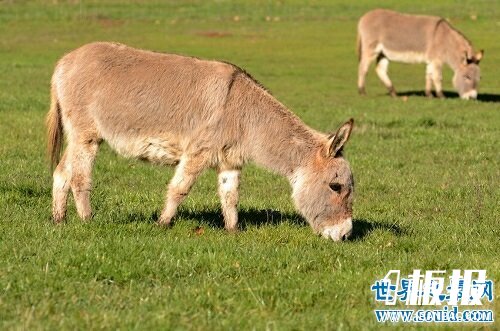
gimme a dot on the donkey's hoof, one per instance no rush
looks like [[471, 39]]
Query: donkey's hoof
[[392, 92], [440, 95], [361, 91], [164, 224], [58, 219], [86, 218], [234, 230], [429, 94]]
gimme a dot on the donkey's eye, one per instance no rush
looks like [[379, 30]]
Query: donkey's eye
[[467, 77], [335, 187]]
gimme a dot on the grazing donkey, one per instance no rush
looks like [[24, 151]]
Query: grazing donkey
[[195, 114], [385, 35]]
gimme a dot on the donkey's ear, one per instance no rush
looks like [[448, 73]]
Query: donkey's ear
[[479, 56], [337, 140]]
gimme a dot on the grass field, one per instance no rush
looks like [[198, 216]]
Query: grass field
[[427, 176]]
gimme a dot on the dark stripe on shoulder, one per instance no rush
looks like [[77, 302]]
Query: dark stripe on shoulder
[[441, 20], [240, 71], [233, 78]]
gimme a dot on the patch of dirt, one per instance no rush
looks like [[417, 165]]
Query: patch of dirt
[[105, 21], [213, 34], [199, 231]]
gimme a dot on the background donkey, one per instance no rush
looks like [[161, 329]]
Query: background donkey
[[385, 35], [194, 114]]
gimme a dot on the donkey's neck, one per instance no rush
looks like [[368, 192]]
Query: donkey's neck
[[457, 47], [277, 139]]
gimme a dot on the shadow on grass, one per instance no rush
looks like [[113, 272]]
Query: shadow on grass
[[261, 217], [246, 218], [483, 97], [362, 228], [214, 218], [139, 217], [447, 94], [488, 97], [25, 190]]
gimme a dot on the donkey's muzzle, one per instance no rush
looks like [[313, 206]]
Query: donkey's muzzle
[[338, 232], [472, 94]]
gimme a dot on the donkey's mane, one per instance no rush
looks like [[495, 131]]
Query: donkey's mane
[[443, 20], [280, 110]]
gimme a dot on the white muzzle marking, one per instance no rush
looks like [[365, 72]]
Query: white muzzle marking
[[338, 232], [472, 94]]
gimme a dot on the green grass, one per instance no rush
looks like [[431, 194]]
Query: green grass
[[427, 176]]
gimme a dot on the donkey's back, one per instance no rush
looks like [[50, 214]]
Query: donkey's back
[[400, 37]]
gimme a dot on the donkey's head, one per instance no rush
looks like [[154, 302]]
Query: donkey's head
[[323, 190], [467, 76]]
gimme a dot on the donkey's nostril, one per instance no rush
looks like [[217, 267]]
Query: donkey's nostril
[[344, 237]]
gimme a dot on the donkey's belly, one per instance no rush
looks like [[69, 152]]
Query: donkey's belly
[[401, 56], [163, 149]]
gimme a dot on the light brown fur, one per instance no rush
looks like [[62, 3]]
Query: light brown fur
[[385, 35], [192, 113]]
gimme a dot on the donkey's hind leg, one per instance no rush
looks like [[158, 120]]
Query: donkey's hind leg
[[364, 64], [60, 188], [82, 161], [229, 181], [381, 69], [186, 173]]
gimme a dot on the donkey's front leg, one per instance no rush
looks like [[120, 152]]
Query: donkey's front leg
[[229, 181], [185, 175], [437, 79]]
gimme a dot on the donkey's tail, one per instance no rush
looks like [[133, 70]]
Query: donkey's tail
[[54, 130], [358, 46]]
